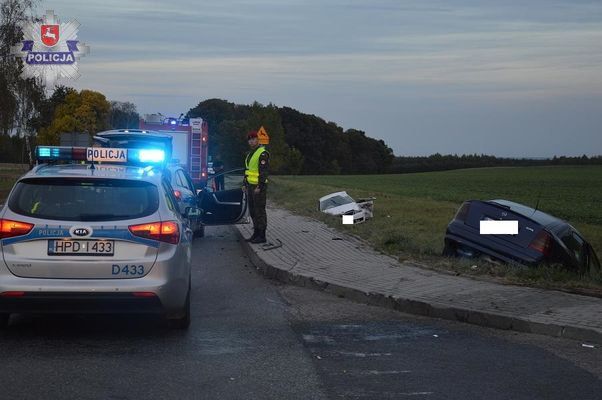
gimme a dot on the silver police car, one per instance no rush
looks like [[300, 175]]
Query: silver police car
[[95, 238]]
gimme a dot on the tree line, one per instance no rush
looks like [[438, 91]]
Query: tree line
[[439, 162], [299, 143], [309, 145], [66, 110]]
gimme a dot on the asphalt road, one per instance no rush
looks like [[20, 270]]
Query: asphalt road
[[252, 338]]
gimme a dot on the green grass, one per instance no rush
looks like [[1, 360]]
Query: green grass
[[413, 210]]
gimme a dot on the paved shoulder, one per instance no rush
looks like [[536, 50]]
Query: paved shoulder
[[314, 254]]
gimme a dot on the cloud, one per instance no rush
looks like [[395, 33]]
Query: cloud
[[358, 62]]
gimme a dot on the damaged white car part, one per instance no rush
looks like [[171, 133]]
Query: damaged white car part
[[340, 203]]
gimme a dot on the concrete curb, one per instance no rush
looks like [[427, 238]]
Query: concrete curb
[[412, 306]]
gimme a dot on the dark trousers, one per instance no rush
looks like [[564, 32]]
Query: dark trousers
[[219, 183], [256, 204]]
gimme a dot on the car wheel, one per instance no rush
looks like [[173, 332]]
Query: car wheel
[[184, 321], [199, 233], [4, 320]]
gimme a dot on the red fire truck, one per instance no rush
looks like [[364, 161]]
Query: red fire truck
[[190, 140]]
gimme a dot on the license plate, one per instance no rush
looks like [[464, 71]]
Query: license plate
[[81, 247]]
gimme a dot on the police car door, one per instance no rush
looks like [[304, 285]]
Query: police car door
[[223, 201]]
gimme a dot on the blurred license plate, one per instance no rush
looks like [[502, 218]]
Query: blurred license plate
[[81, 247]]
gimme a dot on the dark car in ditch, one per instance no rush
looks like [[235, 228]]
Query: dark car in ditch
[[541, 238]]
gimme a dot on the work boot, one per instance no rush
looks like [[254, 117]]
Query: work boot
[[260, 237], [255, 233]]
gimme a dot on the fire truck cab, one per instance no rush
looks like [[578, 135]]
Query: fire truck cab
[[190, 141]]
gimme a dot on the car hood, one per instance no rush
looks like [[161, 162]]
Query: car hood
[[339, 210]]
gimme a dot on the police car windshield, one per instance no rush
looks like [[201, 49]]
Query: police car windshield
[[81, 199]]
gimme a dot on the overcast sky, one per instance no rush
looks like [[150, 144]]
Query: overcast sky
[[508, 77]]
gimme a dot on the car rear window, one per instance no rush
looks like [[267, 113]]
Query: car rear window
[[84, 199]]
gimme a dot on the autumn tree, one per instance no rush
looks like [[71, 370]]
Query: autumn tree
[[86, 111]]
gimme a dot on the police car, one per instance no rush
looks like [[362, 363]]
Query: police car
[[103, 234]]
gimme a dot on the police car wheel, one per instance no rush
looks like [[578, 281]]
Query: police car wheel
[[4, 320], [184, 321]]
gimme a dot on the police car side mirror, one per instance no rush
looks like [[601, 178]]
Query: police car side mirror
[[192, 212]]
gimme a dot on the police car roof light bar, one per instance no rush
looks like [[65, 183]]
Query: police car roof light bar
[[51, 154], [60, 153]]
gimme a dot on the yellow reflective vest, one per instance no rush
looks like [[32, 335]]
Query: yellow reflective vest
[[252, 165]]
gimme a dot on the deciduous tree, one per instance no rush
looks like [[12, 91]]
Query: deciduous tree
[[123, 115], [86, 111]]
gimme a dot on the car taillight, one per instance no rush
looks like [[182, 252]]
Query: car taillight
[[178, 194], [542, 243], [167, 231], [144, 294], [463, 212], [10, 228], [12, 294]]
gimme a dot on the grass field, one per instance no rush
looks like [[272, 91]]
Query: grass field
[[413, 210]]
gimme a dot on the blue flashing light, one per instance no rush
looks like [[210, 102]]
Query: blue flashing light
[[44, 151], [173, 122], [151, 156], [53, 153]]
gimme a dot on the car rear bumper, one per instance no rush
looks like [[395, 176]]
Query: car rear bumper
[[167, 282], [507, 253], [80, 303]]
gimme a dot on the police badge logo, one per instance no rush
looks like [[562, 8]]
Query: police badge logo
[[49, 35], [50, 49]]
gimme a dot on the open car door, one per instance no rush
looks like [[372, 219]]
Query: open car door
[[223, 201]]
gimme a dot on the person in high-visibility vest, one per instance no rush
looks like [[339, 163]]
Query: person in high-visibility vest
[[257, 165]]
